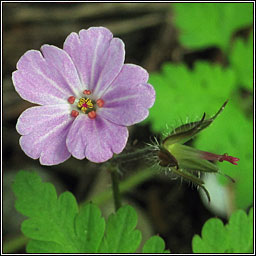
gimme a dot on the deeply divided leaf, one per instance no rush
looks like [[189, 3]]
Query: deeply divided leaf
[[182, 92], [28, 188], [54, 225], [240, 232], [90, 228], [121, 236], [154, 244], [234, 237], [214, 239], [204, 25], [242, 61]]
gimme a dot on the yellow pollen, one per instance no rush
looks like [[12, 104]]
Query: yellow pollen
[[84, 104]]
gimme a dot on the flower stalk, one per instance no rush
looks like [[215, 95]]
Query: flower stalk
[[132, 156], [115, 187]]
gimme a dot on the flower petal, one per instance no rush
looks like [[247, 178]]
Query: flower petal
[[97, 55], [96, 139], [46, 80], [61, 64], [44, 130], [129, 97]]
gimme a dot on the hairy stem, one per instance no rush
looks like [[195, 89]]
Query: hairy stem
[[115, 188], [133, 156]]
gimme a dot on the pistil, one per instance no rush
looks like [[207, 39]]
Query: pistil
[[220, 158], [85, 104]]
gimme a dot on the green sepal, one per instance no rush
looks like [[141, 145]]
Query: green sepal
[[191, 177], [186, 132], [189, 158]]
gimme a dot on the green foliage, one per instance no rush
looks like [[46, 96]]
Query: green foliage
[[210, 24], [55, 225], [234, 237], [121, 236], [154, 244], [242, 61], [182, 92], [214, 239], [240, 232]]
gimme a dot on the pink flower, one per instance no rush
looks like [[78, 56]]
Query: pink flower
[[87, 98]]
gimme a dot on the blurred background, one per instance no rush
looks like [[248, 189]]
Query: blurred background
[[198, 55]]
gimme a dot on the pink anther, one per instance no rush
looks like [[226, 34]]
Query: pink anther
[[71, 99], [100, 103], [92, 114], [74, 113], [87, 92]]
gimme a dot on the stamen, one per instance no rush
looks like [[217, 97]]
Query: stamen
[[74, 113], [71, 99], [87, 92], [100, 103], [92, 114]]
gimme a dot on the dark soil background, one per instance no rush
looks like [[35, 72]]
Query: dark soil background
[[174, 210]]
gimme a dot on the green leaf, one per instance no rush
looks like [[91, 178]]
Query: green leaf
[[240, 232], [28, 188], [120, 235], [183, 93], [251, 215], [90, 228], [154, 244], [210, 24], [235, 237], [54, 224], [241, 59], [214, 239]]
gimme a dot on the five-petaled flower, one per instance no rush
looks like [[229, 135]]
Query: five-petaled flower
[[87, 98]]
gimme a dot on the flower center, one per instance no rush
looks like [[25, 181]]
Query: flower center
[[85, 105]]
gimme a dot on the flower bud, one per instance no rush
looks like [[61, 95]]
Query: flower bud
[[184, 160]]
